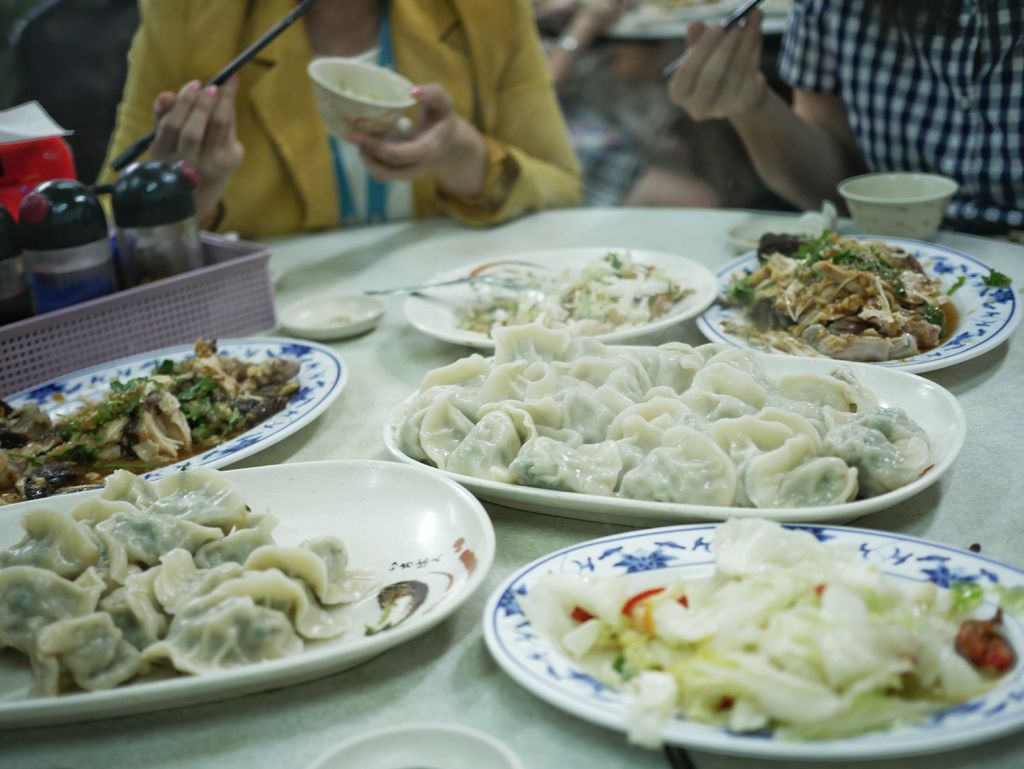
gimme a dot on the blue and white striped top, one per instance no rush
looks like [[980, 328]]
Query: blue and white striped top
[[951, 104]]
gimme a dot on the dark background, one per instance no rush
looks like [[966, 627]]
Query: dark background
[[69, 55]]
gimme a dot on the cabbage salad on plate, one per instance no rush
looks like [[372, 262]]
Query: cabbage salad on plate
[[606, 294], [785, 635]]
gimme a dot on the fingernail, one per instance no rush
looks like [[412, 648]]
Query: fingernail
[[416, 92], [189, 173], [194, 86], [210, 91]]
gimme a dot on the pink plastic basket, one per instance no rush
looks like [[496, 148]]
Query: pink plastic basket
[[232, 296]]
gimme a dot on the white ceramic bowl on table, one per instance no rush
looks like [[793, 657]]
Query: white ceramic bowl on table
[[909, 205], [352, 95]]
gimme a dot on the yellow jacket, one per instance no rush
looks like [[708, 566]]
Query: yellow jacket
[[486, 53]]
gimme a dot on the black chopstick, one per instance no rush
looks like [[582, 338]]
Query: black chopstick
[[734, 18], [220, 78], [678, 758]]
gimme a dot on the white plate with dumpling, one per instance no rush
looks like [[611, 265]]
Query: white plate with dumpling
[[417, 547], [669, 434]]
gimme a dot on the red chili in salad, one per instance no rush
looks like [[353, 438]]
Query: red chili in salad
[[639, 598]]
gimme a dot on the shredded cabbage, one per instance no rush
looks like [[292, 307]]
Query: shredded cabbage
[[608, 293], [788, 634]]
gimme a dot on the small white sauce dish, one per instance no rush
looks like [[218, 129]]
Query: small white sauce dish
[[419, 746], [747, 235], [332, 317], [908, 205]]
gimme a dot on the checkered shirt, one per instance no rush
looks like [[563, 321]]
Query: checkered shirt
[[952, 105]]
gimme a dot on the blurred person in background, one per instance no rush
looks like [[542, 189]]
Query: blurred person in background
[[614, 114], [69, 55], [634, 147], [880, 85], [489, 142]]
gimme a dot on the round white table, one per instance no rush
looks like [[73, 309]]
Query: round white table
[[447, 674]]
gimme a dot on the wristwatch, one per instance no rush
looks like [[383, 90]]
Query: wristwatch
[[568, 43]]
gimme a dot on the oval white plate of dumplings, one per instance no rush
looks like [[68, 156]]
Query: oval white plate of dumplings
[[404, 524], [931, 406]]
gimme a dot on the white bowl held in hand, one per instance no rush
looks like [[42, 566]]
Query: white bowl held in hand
[[910, 205], [353, 95]]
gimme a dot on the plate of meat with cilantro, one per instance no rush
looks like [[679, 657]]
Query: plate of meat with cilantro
[[894, 302], [207, 404]]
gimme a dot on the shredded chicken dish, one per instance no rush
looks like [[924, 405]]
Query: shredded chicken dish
[[179, 410], [844, 298]]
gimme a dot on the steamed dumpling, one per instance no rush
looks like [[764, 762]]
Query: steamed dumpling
[[31, 598], [134, 610], [220, 632], [178, 581], [888, 450], [236, 546], [123, 486], [273, 589], [52, 541], [792, 476], [145, 537], [488, 449], [90, 648], [549, 464], [322, 563], [200, 496], [443, 428], [688, 468]]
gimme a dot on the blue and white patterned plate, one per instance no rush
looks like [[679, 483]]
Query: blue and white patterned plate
[[321, 380], [539, 665], [987, 315]]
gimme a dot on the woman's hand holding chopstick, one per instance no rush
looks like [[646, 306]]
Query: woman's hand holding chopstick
[[720, 74], [197, 126]]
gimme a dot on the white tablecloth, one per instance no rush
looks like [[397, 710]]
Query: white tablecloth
[[447, 674]]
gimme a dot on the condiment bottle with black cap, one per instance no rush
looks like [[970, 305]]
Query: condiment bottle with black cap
[[66, 248], [155, 217], [15, 303]]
